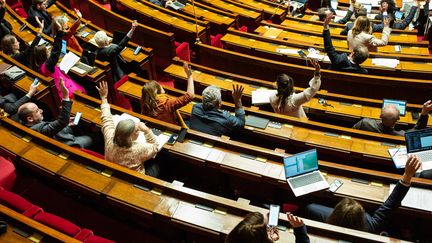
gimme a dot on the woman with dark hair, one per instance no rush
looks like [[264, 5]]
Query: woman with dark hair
[[11, 46], [121, 144], [286, 102], [349, 213], [45, 62], [155, 103], [361, 34], [254, 229]]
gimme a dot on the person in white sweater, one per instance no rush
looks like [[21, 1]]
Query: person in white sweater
[[286, 102], [361, 34]]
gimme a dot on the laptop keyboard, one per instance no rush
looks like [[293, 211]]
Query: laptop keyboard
[[306, 180], [425, 156]]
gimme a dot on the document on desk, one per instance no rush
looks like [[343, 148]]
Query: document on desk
[[68, 61], [374, 3], [262, 96], [417, 198], [288, 51], [385, 62], [399, 156]]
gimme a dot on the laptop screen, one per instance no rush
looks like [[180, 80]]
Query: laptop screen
[[301, 163], [400, 104], [398, 15], [418, 141]]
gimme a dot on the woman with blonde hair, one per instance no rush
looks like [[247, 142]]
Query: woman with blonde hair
[[155, 103], [361, 34]]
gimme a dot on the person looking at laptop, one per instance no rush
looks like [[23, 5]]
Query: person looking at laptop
[[389, 117], [351, 214]]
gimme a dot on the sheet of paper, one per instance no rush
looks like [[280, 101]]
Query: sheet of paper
[[162, 139], [399, 156], [315, 55], [41, 42], [68, 61], [287, 51], [262, 96], [341, 13], [385, 62], [418, 198]]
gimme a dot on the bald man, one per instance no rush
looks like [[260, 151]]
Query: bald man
[[32, 116], [389, 117]]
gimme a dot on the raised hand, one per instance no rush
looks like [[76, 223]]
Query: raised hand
[[187, 68], [328, 19], [78, 13], [412, 165], [63, 89], [294, 220], [237, 94], [40, 24], [386, 22], [427, 107], [134, 25], [32, 90], [102, 88], [315, 63]]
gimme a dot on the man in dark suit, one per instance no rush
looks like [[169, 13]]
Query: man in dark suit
[[39, 9], [342, 61], [109, 52], [32, 116], [389, 117], [10, 103], [357, 217]]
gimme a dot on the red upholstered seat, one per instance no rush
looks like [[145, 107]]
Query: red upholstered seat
[[120, 99], [183, 51], [243, 29], [19, 8], [84, 234], [216, 40], [92, 153], [18, 203], [7, 173], [98, 239], [58, 223]]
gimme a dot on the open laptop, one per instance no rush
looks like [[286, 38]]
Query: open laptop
[[400, 104], [419, 143], [399, 15], [302, 174], [179, 4]]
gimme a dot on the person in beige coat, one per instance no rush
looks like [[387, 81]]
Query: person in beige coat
[[361, 34]]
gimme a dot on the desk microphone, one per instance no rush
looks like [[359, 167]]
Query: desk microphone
[[198, 40]]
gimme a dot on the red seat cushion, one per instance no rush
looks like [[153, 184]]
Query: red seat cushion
[[183, 51], [92, 153], [216, 40], [120, 99], [98, 239], [83, 234], [14, 201], [32, 211], [58, 223], [7, 173]]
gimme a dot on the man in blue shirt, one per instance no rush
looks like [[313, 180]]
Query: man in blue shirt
[[208, 118]]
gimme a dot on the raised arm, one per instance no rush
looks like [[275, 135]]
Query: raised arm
[[349, 14], [150, 148], [328, 45], [300, 230], [314, 85], [108, 127], [385, 35], [237, 121], [56, 49], [118, 48], [75, 25], [424, 115]]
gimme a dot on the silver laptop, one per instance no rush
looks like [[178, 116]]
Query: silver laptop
[[400, 105], [419, 143], [302, 174]]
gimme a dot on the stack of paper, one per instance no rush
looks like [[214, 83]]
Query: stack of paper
[[385, 62], [262, 96], [315, 56], [288, 51], [68, 61]]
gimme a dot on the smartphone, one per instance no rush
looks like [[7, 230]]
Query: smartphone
[[137, 50], [335, 185], [274, 215], [85, 34], [302, 54], [415, 115], [35, 81], [172, 139], [77, 118]]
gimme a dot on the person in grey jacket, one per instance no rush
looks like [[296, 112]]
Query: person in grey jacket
[[10, 104]]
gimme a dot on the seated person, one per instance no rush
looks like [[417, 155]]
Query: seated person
[[349, 213], [109, 52], [39, 9], [208, 118], [323, 12], [155, 103], [355, 8], [387, 10], [286, 102], [361, 34], [10, 103], [5, 26], [342, 61], [45, 62], [32, 117], [253, 229], [399, 24], [121, 144], [69, 35], [11, 46], [389, 116]]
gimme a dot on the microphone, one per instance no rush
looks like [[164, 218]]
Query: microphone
[[198, 40], [286, 2]]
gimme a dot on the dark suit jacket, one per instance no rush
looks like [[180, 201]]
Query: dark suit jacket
[[372, 125], [339, 61], [24, 56], [10, 103], [111, 54], [59, 129], [33, 12], [5, 26], [216, 122], [300, 234]]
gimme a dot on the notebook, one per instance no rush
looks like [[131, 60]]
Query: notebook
[[302, 174], [257, 122], [419, 143], [400, 104]]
